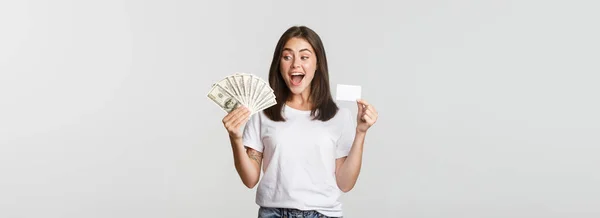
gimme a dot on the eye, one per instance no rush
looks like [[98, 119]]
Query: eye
[[287, 57], [304, 57]]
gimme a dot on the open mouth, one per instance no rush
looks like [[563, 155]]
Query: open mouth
[[297, 78]]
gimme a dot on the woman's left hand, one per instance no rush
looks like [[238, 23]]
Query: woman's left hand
[[367, 116]]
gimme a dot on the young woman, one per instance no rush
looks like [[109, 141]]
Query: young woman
[[309, 149]]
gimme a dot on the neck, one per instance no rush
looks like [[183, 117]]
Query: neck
[[300, 101]]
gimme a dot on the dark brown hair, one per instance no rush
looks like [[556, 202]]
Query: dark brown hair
[[324, 108]]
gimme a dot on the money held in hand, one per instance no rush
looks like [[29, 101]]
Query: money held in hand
[[242, 89]]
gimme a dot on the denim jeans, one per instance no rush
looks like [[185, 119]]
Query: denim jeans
[[267, 212]]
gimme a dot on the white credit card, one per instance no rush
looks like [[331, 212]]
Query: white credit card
[[347, 92]]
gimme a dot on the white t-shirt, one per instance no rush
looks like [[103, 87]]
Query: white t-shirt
[[299, 159]]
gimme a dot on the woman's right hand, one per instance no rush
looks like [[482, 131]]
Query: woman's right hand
[[234, 120]]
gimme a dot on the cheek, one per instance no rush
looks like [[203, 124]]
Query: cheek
[[311, 68], [283, 67]]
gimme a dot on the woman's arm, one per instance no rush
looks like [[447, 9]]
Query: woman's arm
[[247, 160], [347, 168]]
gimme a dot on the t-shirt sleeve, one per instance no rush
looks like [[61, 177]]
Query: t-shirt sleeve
[[344, 143], [251, 137]]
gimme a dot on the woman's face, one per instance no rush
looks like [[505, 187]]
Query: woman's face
[[298, 65]]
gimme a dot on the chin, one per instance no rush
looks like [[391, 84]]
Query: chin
[[298, 90]]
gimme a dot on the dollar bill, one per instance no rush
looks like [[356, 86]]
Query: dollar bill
[[246, 89], [226, 84], [231, 81], [223, 99], [254, 81], [266, 104], [264, 94], [239, 82]]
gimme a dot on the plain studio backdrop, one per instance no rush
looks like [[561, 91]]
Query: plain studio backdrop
[[486, 108]]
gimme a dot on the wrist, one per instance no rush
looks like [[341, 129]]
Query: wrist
[[235, 138], [360, 132]]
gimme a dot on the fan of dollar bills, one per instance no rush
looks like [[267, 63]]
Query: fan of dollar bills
[[242, 89]]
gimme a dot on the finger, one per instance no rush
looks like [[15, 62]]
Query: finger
[[238, 114], [367, 105], [368, 119], [364, 115], [360, 107], [241, 117], [241, 122], [367, 108], [232, 114], [372, 108], [239, 110], [232, 122], [372, 114], [363, 102]]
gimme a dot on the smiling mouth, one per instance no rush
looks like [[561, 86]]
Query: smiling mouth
[[297, 79]]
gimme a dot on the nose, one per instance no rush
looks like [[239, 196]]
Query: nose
[[296, 62]]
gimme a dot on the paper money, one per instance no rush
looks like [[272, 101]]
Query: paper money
[[246, 89], [223, 98]]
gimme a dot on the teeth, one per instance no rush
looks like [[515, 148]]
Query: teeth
[[296, 74]]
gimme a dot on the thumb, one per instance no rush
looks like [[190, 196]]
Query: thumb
[[360, 109]]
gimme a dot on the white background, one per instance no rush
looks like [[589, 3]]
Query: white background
[[487, 108]]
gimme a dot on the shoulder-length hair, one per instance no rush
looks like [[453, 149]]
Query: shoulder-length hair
[[324, 108]]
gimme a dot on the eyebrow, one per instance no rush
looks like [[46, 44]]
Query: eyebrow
[[301, 50]]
